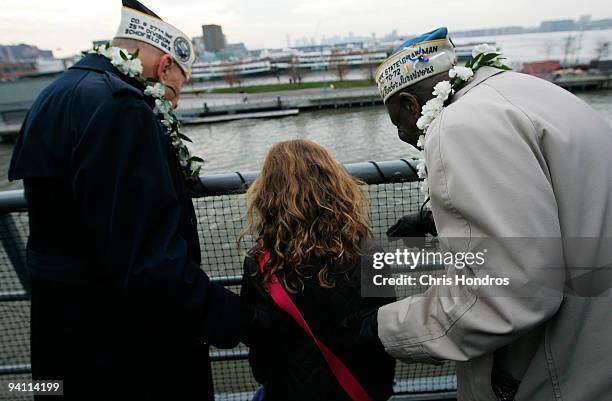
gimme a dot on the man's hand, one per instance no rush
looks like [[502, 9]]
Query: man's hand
[[413, 225], [267, 325]]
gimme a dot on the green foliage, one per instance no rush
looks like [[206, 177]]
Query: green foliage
[[184, 137]]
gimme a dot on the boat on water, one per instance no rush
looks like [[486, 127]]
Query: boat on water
[[464, 51]]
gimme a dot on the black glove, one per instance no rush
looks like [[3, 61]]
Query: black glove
[[363, 326], [504, 385], [413, 225]]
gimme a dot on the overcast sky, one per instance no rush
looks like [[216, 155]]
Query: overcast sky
[[66, 27]]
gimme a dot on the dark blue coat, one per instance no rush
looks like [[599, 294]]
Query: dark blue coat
[[120, 306]]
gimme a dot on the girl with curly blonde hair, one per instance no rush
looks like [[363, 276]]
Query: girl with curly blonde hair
[[310, 218]]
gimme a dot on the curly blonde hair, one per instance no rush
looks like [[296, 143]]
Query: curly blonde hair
[[308, 212]]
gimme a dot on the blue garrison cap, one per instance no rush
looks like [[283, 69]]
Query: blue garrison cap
[[440, 33]]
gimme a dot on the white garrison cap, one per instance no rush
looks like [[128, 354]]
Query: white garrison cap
[[140, 23]]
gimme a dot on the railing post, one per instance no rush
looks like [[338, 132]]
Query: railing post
[[15, 249]]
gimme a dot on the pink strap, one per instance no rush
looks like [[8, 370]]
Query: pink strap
[[346, 379]]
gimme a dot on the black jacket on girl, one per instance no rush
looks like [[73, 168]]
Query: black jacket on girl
[[287, 361]]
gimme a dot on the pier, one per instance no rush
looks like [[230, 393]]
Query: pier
[[211, 107], [198, 107], [241, 116], [583, 82]]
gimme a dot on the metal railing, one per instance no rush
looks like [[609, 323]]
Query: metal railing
[[219, 200]]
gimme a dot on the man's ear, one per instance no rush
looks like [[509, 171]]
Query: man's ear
[[409, 102], [163, 67]]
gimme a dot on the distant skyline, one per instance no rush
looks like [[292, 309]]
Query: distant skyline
[[66, 27]]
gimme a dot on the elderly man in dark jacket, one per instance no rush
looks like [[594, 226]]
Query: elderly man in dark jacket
[[120, 306]]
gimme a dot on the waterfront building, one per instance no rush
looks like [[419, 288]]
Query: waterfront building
[[23, 52], [214, 39], [558, 26]]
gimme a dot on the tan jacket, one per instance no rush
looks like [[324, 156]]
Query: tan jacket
[[516, 156]]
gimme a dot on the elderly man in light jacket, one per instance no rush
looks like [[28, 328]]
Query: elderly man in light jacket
[[523, 164]]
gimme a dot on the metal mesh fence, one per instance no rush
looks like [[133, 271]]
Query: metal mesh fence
[[220, 220], [14, 315]]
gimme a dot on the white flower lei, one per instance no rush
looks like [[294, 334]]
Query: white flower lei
[[129, 64], [482, 55]]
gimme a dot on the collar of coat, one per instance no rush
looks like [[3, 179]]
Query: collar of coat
[[117, 81], [482, 74]]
